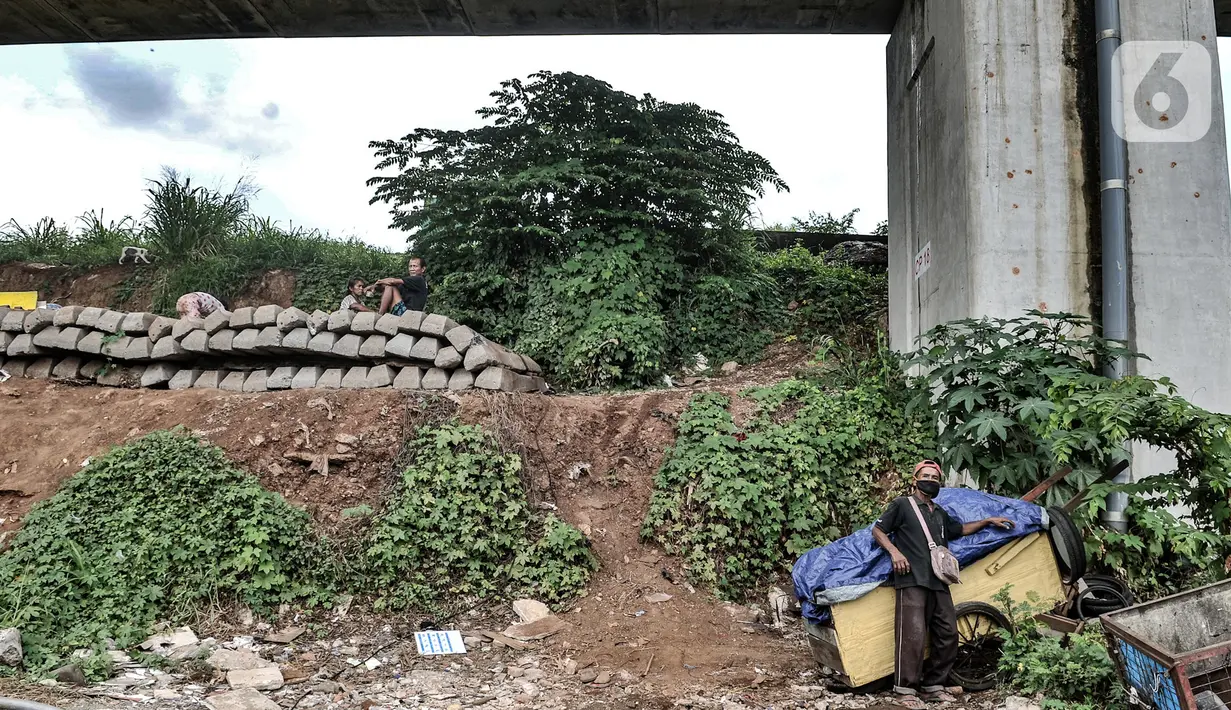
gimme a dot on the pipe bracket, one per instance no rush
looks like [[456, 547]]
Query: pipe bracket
[[1113, 185], [1108, 34]]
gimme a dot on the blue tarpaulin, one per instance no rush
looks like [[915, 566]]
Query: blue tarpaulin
[[849, 568]]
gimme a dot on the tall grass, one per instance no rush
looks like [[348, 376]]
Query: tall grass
[[203, 239]]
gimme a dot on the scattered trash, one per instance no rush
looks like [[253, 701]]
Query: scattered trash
[[163, 643], [372, 664], [439, 643], [577, 470], [640, 612], [536, 630], [286, 636], [5, 376]]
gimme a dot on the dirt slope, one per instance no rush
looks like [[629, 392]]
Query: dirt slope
[[594, 457]]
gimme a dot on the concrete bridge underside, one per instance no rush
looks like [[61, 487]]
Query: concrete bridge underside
[[41, 21]]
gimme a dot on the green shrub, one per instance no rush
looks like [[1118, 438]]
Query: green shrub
[[460, 524], [1015, 400], [835, 300], [811, 465], [1072, 672], [149, 531]]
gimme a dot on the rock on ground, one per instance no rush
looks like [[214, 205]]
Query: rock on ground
[[10, 647]]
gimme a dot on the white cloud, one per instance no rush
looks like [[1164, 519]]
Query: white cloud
[[813, 105]]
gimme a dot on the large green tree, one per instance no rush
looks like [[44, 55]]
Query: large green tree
[[601, 232]]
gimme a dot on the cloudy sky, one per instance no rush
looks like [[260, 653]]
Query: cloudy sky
[[85, 125]]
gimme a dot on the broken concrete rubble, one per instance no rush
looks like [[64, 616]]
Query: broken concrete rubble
[[10, 647]]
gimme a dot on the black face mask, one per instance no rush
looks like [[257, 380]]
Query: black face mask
[[928, 488]]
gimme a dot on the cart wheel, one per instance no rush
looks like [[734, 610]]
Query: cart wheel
[[1068, 544], [979, 646]]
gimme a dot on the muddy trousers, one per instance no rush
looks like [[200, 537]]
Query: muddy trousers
[[923, 612]]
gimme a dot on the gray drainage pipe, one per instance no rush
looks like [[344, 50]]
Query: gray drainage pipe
[[15, 704], [1114, 189]]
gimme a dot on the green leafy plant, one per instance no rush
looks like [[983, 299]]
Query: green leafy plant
[[740, 503], [831, 300], [1015, 400], [616, 212], [149, 531], [461, 525], [1072, 672]]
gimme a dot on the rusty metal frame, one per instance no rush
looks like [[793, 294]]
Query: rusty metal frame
[[1175, 665]]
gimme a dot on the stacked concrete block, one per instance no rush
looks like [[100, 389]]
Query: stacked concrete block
[[158, 374], [110, 322], [461, 380], [196, 342], [318, 321], [388, 324], [70, 337], [296, 341], [137, 323], [68, 369], [257, 381], [339, 321], [381, 376], [14, 322], [184, 326], [216, 321], [88, 317], [373, 347], [292, 319], [262, 348], [266, 316], [209, 379], [38, 319], [233, 382], [282, 378], [161, 328], [363, 323], [67, 316], [447, 358], [242, 318], [183, 379], [307, 378], [400, 346], [409, 378], [355, 378], [16, 367], [425, 349], [435, 379], [41, 368], [436, 325], [48, 337], [348, 346]]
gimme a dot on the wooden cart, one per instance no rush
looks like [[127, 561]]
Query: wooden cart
[[859, 643]]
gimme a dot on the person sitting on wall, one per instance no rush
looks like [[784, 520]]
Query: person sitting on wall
[[408, 293], [355, 289], [199, 305]]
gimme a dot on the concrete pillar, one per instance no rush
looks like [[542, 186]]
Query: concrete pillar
[[993, 162], [1179, 202], [987, 163]]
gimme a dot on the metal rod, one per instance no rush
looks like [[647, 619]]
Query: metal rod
[[1113, 158]]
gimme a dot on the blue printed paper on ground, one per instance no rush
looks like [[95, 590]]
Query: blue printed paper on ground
[[439, 643]]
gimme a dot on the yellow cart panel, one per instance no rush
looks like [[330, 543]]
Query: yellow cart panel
[[25, 300], [864, 627]]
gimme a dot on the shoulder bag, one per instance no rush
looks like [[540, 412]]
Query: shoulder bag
[[944, 564]]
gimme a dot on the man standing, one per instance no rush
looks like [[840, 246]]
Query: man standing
[[924, 605], [408, 293]]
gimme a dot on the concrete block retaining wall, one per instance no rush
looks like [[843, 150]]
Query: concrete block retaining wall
[[259, 349]]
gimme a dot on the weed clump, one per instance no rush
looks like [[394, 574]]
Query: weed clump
[[461, 525], [149, 531]]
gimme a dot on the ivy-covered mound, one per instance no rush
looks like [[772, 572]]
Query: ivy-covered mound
[[812, 465], [461, 525], [145, 533]]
